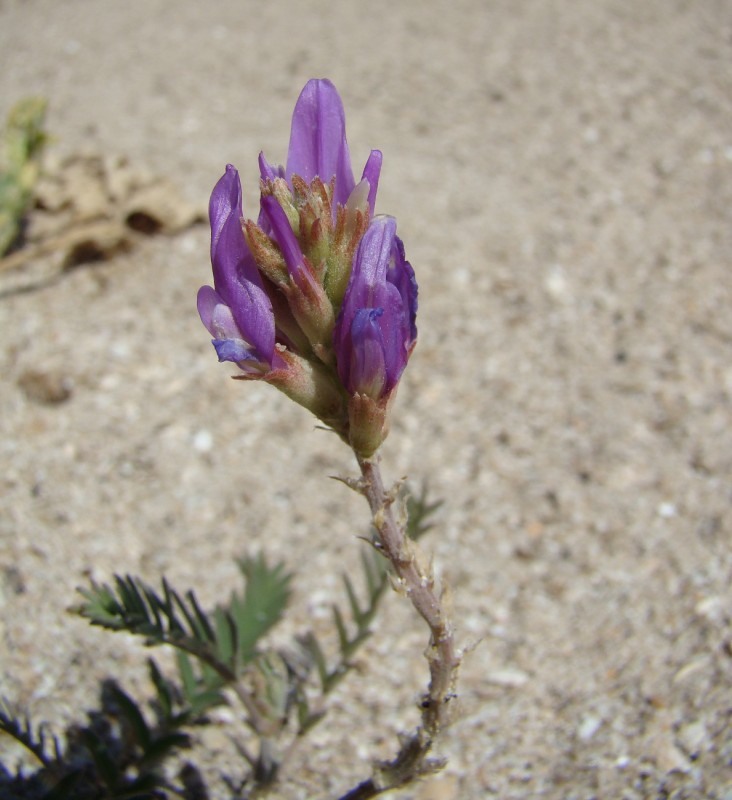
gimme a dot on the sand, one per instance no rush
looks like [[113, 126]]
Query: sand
[[562, 178]]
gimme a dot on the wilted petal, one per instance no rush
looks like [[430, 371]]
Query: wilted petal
[[318, 146]]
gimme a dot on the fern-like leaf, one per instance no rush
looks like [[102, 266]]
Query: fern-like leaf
[[165, 691], [104, 763], [265, 597], [200, 688], [168, 619], [132, 715], [354, 632], [420, 510], [223, 642], [21, 729]]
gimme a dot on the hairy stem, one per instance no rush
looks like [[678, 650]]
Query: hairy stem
[[416, 578]]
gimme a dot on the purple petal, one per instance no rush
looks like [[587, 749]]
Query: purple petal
[[267, 171], [395, 331], [367, 370], [318, 146], [369, 265], [218, 323], [376, 330], [221, 324], [225, 203], [401, 275], [371, 261], [279, 224], [237, 281], [371, 172], [236, 350], [230, 256]]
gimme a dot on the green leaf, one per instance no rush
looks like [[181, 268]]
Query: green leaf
[[101, 607], [103, 761], [420, 511], [278, 683], [202, 624], [21, 144], [133, 716], [226, 637], [168, 607], [374, 569], [221, 644], [163, 746], [66, 787], [168, 619], [352, 600], [21, 729], [343, 640], [133, 599], [204, 700], [187, 676], [163, 689], [200, 692], [265, 597], [313, 648]]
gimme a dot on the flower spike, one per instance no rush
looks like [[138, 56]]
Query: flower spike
[[316, 296]]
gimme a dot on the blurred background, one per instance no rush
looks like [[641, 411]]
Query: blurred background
[[561, 175]]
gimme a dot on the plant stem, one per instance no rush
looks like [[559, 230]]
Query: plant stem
[[363, 791], [416, 578]]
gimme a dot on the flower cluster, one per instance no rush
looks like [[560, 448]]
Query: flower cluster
[[316, 296]]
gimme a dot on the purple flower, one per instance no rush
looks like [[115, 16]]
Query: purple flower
[[375, 332], [318, 146], [316, 296], [317, 232], [237, 312]]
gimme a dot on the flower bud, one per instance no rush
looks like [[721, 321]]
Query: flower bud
[[375, 332]]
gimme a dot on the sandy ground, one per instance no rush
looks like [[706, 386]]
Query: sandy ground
[[562, 177]]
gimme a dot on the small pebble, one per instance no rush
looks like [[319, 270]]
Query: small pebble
[[512, 678], [443, 787], [691, 738], [589, 726], [46, 388], [667, 510], [203, 441]]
